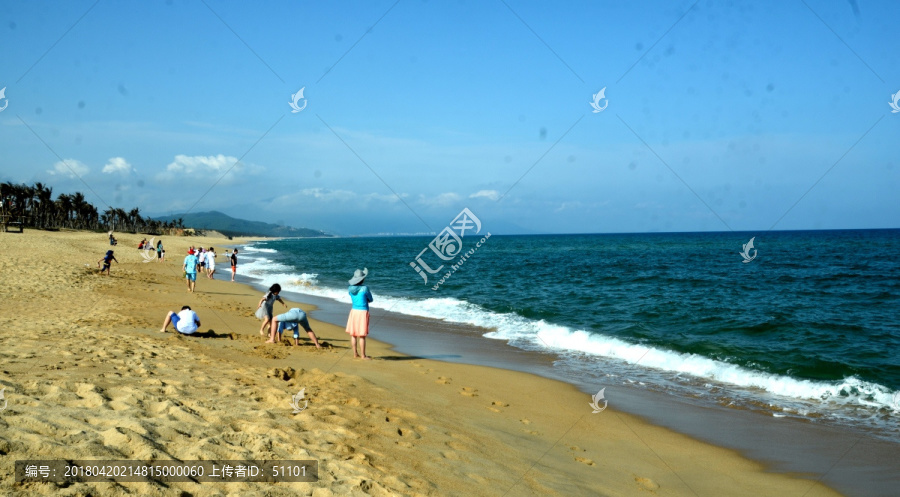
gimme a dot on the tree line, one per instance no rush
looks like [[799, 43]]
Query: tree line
[[34, 206]]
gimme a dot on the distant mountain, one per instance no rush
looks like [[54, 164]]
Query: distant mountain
[[230, 226]]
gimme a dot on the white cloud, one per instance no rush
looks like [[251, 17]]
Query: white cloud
[[207, 167], [440, 200], [569, 205], [333, 199], [488, 194], [69, 167], [199, 164], [329, 195], [117, 165]]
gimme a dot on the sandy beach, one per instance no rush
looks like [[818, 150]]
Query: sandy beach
[[87, 375]]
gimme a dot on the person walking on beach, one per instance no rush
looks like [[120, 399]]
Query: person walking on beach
[[190, 271], [210, 263], [293, 316], [185, 322], [358, 321], [201, 256], [159, 251], [107, 261], [265, 308], [233, 264]]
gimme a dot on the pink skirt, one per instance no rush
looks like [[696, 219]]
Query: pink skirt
[[358, 323]]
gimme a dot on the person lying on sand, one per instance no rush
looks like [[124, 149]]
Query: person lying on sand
[[294, 315], [185, 322]]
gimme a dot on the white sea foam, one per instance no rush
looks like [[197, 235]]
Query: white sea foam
[[251, 248], [541, 335]]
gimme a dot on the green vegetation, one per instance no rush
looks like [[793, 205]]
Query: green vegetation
[[33, 206]]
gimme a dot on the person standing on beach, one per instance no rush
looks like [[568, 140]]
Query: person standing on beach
[[159, 251], [292, 316], [190, 271], [358, 321], [107, 262], [201, 256], [233, 264], [210, 263], [265, 308]]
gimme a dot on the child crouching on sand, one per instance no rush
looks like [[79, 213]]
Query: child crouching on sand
[[293, 316]]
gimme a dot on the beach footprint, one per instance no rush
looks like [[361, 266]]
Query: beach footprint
[[646, 484], [468, 392]]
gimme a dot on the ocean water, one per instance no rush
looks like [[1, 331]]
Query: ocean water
[[810, 328]]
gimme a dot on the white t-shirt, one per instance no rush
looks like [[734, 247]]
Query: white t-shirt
[[187, 322], [210, 259]]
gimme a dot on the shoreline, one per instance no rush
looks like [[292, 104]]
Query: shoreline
[[849, 458], [787, 446], [115, 388]]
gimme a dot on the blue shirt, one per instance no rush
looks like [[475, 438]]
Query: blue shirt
[[190, 263], [361, 297]]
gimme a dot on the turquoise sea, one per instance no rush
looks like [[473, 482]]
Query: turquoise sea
[[809, 328]]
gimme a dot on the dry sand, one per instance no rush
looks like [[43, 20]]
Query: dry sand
[[88, 376]]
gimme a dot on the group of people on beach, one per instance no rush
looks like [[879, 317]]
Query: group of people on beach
[[357, 322], [187, 322], [203, 260], [273, 326]]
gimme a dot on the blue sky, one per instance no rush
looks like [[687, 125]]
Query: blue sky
[[721, 115]]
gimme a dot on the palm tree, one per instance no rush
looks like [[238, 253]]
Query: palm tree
[[134, 217], [108, 219], [63, 211], [43, 207], [121, 219]]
